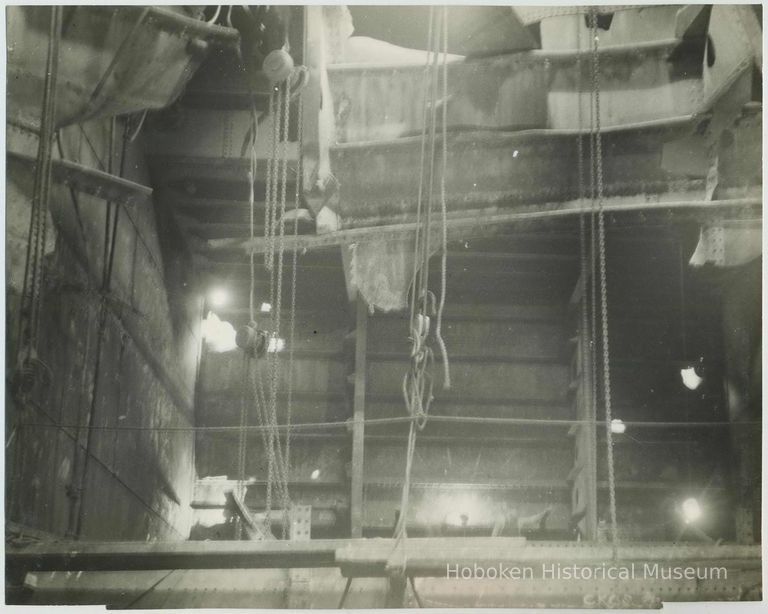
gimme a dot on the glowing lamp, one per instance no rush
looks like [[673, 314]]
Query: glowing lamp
[[691, 510], [218, 297], [218, 335], [618, 426], [691, 379]]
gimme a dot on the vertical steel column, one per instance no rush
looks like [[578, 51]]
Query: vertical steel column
[[358, 429]]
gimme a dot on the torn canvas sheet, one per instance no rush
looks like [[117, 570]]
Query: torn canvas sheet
[[382, 271]]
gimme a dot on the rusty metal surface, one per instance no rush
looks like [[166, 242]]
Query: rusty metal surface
[[113, 60], [505, 170], [535, 89]]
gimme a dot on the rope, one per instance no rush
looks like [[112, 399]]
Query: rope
[[417, 382], [444, 255], [598, 155]]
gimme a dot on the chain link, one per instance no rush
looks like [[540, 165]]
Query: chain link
[[252, 206], [292, 314], [587, 333], [271, 162], [598, 156], [31, 296]]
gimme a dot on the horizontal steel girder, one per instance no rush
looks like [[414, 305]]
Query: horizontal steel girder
[[482, 222], [117, 556], [502, 171], [85, 179], [429, 556], [426, 556]]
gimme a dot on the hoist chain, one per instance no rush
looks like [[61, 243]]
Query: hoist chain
[[277, 180], [271, 205], [292, 313], [270, 187], [277, 305], [252, 206], [598, 155], [587, 333], [31, 296]]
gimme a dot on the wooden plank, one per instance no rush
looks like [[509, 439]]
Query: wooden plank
[[358, 430]]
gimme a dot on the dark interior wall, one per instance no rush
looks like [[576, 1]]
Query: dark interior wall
[[136, 481], [319, 394], [508, 330]]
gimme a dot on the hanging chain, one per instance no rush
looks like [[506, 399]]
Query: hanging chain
[[279, 284], [31, 295], [292, 314], [271, 214], [598, 154], [252, 207], [587, 342], [242, 442], [276, 220]]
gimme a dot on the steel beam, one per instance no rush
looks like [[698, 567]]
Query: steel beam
[[429, 556], [426, 556], [86, 179], [481, 223], [127, 556]]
